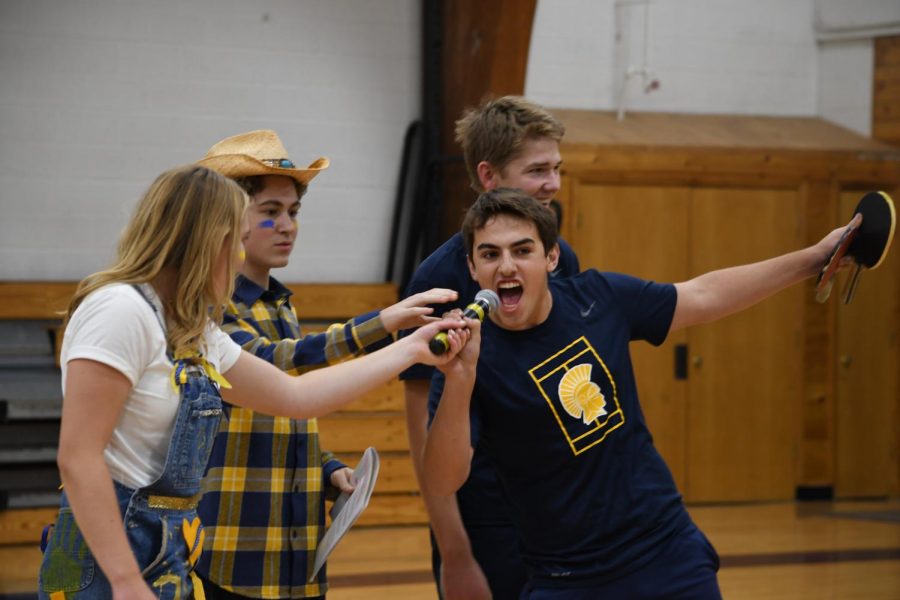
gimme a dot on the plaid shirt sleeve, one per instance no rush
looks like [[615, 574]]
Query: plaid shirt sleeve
[[296, 355], [263, 507], [329, 465]]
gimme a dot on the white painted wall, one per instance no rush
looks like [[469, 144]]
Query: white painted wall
[[845, 83], [709, 56], [767, 57], [97, 97]]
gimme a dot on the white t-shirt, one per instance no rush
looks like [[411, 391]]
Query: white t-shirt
[[115, 326]]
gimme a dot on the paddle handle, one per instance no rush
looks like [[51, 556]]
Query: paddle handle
[[853, 283]]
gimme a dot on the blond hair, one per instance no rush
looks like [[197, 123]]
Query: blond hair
[[496, 131], [179, 225]]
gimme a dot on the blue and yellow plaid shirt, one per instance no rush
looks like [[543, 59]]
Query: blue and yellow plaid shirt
[[264, 505]]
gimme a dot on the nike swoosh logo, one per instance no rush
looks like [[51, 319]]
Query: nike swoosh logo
[[587, 311]]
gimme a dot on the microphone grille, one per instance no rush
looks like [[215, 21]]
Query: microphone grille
[[490, 297]]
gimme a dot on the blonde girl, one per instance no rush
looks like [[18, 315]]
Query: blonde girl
[[144, 371]]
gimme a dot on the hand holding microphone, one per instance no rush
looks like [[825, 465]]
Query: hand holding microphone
[[485, 301]]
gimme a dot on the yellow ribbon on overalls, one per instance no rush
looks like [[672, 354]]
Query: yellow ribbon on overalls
[[183, 358], [193, 536], [194, 543]]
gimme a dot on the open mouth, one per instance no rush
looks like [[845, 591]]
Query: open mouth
[[510, 293]]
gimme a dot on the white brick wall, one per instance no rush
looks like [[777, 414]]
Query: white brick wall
[[100, 96]]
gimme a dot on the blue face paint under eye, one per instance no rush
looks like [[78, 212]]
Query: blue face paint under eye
[[267, 224]]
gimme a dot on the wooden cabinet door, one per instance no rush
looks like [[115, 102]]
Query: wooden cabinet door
[[746, 370], [867, 364], [642, 231], [729, 431]]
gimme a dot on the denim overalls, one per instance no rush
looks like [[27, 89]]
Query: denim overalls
[[160, 520]]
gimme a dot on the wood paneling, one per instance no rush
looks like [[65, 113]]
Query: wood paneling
[[778, 137], [484, 52], [746, 375], [867, 363], [35, 300], [810, 160], [395, 473], [24, 526], [394, 509], [564, 197], [19, 564], [816, 435], [347, 432], [736, 166], [340, 300], [375, 419], [727, 432], [48, 299], [886, 90], [643, 231], [387, 398]]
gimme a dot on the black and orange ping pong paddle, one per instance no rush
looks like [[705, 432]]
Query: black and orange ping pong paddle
[[875, 236], [866, 239]]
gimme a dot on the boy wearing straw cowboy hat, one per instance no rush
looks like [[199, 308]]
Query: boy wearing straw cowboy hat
[[264, 502]]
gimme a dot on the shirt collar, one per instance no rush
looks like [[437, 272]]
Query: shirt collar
[[249, 292]]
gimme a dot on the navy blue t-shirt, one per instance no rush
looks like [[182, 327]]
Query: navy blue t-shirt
[[480, 501], [555, 410]]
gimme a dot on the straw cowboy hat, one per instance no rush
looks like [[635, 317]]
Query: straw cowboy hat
[[257, 153]]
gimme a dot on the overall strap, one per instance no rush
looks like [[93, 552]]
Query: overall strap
[[159, 318], [183, 359]]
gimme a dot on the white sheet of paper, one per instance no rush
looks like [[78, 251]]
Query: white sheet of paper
[[348, 507]]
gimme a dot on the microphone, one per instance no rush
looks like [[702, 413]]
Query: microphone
[[485, 301]]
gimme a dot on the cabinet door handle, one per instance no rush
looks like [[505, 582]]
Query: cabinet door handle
[[681, 370], [846, 360]]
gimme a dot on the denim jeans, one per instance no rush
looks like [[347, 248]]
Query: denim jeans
[[160, 520]]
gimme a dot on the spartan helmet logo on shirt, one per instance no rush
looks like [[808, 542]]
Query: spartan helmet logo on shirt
[[581, 397], [581, 394]]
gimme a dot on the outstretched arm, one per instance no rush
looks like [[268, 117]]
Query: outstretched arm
[[260, 386], [359, 335], [717, 294]]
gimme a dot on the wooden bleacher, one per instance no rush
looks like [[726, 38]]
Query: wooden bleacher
[[376, 419]]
